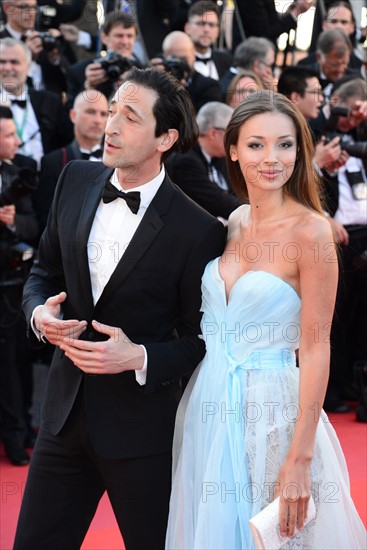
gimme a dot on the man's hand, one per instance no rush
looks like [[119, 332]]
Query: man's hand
[[34, 43], [300, 6], [47, 321], [69, 32], [341, 235], [7, 214], [94, 75], [330, 155], [117, 354]]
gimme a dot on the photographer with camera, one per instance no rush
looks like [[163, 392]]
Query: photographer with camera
[[347, 204], [179, 60], [49, 65], [18, 230], [119, 33]]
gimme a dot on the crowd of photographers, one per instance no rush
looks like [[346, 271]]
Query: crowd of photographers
[[59, 67]]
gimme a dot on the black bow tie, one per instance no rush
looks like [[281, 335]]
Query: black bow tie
[[132, 198], [204, 60], [20, 102], [97, 154]]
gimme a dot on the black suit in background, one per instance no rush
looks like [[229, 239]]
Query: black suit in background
[[55, 126], [191, 173], [15, 363], [154, 17], [260, 18], [222, 60], [154, 296], [202, 89], [51, 168]]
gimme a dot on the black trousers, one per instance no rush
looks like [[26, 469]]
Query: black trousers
[[15, 367], [67, 479], [349, 328]]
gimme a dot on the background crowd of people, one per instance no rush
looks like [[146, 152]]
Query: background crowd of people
[[60, 64]]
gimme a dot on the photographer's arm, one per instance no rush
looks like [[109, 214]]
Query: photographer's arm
[[94, 75]]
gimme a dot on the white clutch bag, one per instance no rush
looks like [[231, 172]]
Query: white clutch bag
[[265, 526]]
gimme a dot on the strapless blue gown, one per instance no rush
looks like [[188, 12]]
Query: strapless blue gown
[[235, 424]]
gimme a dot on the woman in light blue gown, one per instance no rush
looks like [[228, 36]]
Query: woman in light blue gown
[[250, 425]]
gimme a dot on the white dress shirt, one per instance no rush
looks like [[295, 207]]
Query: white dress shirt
[[27, 125], [350, 210], [113, 228]]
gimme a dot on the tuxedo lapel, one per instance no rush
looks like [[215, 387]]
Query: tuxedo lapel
[[87, 213], [148, 229]]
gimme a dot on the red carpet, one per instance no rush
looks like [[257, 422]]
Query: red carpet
[[103, 533]]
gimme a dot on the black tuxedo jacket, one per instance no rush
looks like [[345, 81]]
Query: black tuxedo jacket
[[153, 295], [261, 18], [51, 168], [203, 89], [55, 126], [222, 60], [190, 171]]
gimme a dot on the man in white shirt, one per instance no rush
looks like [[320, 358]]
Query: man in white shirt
[[121, 259]]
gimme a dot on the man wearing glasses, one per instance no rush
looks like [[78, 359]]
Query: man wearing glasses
[[203, 27]]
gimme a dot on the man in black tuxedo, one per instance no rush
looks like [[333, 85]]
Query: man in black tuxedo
[[18, 228], [126, 274], [39, 115], [203, 26], [201, 172], [88, 115]]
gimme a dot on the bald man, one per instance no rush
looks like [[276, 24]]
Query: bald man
[[89, 117], [202, 89]]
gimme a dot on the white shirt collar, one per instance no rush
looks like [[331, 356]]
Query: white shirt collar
[[15, 34]]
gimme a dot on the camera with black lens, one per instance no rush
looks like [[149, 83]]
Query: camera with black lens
[[114, 64], [49, 41], [177, 67], [15, 256], [353, 148]]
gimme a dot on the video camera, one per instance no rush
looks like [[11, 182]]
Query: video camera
[[14, 254], [114, 64], [177, 67], [353, 148]]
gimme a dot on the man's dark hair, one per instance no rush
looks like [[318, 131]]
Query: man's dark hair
[[201, 7], [293, 79], [173, 108], [118, 19], [339, 4], [5, 112]]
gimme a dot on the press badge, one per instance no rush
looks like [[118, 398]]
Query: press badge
[[358, 186]]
